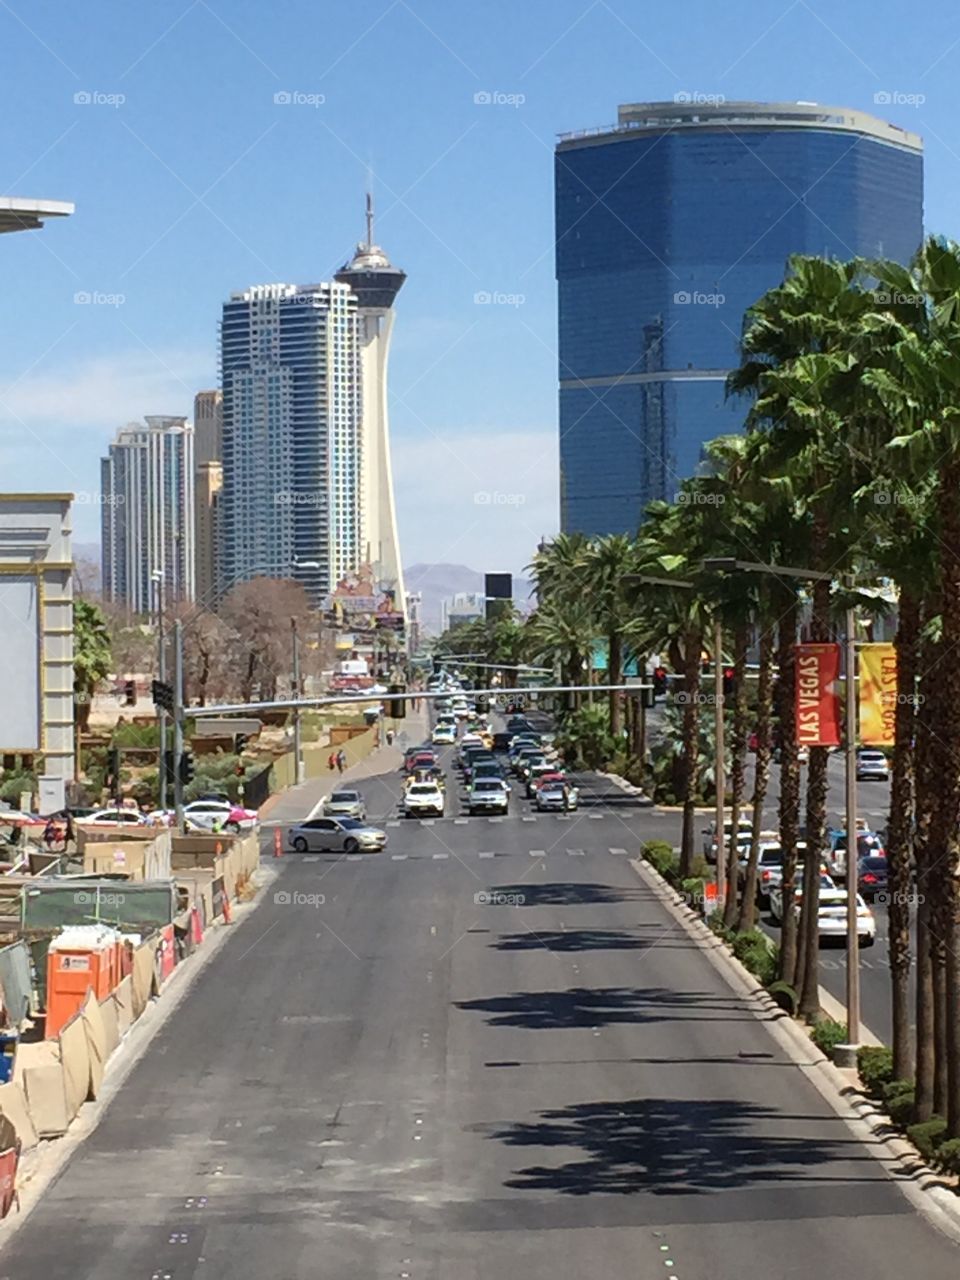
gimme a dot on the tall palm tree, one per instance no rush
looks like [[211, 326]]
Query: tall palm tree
[[607, 563]]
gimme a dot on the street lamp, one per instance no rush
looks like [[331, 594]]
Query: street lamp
[[157, 579], [726, 565]]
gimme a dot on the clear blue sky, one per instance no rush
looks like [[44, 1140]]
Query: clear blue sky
[[199, 183]]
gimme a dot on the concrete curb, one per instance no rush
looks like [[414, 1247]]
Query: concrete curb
[[40, 1167], [926, 1190]]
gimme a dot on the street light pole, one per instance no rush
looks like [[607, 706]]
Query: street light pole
[[719, 763], [853, 931], [297, 735], [178, 722]]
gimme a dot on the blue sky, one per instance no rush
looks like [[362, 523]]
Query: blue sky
[[191, 180]]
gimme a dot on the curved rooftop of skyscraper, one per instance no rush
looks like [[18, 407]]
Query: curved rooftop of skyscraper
[[370, 273]]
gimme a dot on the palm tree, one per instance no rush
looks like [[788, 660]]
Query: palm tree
[[607, 563], [91, 656]]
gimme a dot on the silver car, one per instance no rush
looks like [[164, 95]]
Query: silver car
[[345, 804], [341, 835]]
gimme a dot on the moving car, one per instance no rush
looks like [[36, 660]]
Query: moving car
[[776, 895], [444, 735], [346, 835], [873, 876], [345, 804], [215, 815], [872, 766], [744, 829], [488, 795], [551, 797], [535, 774], [113, 817], [422, 800], [421, 759], [832, 918]]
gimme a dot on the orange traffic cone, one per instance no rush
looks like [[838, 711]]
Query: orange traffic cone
[[277, 843], [227, 911]]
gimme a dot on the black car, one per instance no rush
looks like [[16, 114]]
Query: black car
[[501, 741], [872, 876]]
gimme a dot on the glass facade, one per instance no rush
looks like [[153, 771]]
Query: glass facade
[[665, 235]]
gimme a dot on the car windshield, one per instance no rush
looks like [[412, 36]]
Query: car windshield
[[488, 784], [874, 864], [345, 797], [423, 789]]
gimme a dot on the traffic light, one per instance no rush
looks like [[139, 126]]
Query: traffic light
[[113, 767], [130, 693], [729, 682], [167, 767], [648, 698], [397, 707], [241, 741], [187, 770], [659, 681], [162, 695]]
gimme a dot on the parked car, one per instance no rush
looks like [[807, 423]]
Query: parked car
[[872, 766], [216, 815], [422, 800], [488, 795], [345, 804], [342, 835]]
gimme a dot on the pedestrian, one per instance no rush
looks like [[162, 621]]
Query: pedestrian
[[389, 737], [341, 760], [332, 761]]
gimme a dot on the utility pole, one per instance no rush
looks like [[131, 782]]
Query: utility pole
[[162, 677], [178, 722], [853, 931], [718, 769], [297, 733]]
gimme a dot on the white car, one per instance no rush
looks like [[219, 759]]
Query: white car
[[209, 814], [744, 833], [113, 818], [776, 892], [423, 799], [17, 815], [461, 708], [872, 766], [444, 735]]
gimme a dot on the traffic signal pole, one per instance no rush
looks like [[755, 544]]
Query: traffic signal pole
[[178, 722], [162, 676]]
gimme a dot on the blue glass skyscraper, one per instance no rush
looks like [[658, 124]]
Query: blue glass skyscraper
[[669, 224]]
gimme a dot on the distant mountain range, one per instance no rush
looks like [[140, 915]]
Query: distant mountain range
[[438, 582], [435, 582]]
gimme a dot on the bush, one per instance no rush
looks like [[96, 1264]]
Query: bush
[[693, 890], [715, 921], [875, 1064], [827, 1034], [900, 1108], [785, 997], [947, 1158], [748, 941], [761, 962], [660, 855], [701, 868], [928, 1136], [893, 1088]]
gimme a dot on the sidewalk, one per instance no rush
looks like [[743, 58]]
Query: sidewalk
[[297, 801]]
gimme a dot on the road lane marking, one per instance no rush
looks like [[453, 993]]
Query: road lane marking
[[488, 855], [538, 853], [398, 857], [438, 856], [394, 823], [495, 819], [596, 815], [575, 853], [426, 822], [354, 857], [621, 851], [312, 858], [460, 822], [562, 817]]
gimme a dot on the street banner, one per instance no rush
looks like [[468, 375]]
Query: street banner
[[878, 694], [817, 704]]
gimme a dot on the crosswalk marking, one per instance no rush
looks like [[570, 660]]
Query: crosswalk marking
[[394, 823], [575, 853], [562, 817], [399, 857], [494, 819], [595, 815], [488, 855], [426, 822], [354, 857], [538, 853], [438, 856], [460, 822], [313, 858], [618, 851], [529, 819]]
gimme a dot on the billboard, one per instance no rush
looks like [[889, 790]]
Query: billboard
[[817, 704], [21, 660]]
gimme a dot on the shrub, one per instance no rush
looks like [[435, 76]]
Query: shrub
[[660, 855], [928, 1136], [761, 962], [827, 1034], [900, 1108], [947, 1157], [715, 921], [701, 868], [875, 1064], [785, 997], [893, 1088], [748, 941], [692, 890]]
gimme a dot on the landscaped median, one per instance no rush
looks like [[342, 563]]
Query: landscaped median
[[886, 1103]]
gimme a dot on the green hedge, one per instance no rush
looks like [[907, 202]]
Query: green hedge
[[947, 1157], [785, 996], [928, 1136], [875, 1064], [661, 856], [827, 1034], [900, 1107]]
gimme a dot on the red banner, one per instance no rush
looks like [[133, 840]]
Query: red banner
[[817, 704]]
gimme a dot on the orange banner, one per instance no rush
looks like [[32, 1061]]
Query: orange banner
[[817, 704], [878, 694]]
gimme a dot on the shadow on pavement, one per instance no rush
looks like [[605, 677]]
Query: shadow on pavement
[[561, 894], [571, 940], [674, 1146], [602, 1006]]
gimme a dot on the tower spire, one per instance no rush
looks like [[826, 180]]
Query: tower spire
[[369, 220]]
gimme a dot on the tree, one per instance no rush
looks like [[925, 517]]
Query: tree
[[91, 657], [258, 614]]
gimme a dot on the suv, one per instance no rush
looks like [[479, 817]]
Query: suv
[[872, 766], [344, 804], [423, 799], [488, 795]]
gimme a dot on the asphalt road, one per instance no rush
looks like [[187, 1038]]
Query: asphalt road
[[486, 1052]]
